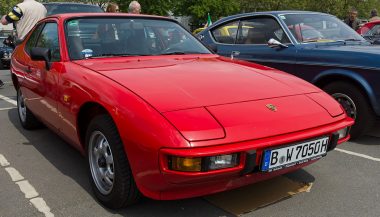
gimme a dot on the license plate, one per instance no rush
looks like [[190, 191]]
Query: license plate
[[284, 157]]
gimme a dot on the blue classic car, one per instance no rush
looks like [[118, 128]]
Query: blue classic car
[[5, 54], [314, 46]]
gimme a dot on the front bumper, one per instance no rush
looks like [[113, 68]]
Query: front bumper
[[180, 185]]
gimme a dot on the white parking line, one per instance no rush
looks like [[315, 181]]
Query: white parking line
[[9, 108], [11, 101], [3, 161], [358, 154], [40, 204], [26, 188], [14, 174]]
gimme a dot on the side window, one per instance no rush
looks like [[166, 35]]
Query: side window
[[49, 39], [226, 33], [33, 38], [259, 30]]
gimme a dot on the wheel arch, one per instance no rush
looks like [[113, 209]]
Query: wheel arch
[[330, 76], [86, 113], [15, 81]]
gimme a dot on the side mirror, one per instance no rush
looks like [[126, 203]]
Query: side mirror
[[41, 54], [213, 47], [273, 43]]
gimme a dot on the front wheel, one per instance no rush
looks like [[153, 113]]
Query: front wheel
[[27, 119], [356, 105], [110, 173]]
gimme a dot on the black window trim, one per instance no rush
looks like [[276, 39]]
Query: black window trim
[[59, 44], [250, 16], [42, 24], [261, 16]]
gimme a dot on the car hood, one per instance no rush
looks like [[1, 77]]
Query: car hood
[[178, 82], [338, 54]]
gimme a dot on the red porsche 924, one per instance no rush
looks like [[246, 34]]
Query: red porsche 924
[[158, 114]]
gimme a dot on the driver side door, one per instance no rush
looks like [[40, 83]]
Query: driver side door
[[42, 77]]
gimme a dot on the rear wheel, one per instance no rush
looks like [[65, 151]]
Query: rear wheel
[[356, 105], [27, 119], [110, 173]]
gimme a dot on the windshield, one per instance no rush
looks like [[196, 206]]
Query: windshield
[[104, 37], [71, 8], [319, 28]]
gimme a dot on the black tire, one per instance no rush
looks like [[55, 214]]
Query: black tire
[[27, 119], [124, 190], [1, 65], [364, 117]]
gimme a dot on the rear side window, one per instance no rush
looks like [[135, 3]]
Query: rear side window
[[259, 30], [33, 38], [226, 33]]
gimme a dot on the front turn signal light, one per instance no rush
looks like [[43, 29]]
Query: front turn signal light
[[185, 164]]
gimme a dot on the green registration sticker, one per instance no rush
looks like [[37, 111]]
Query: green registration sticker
[[73, 23]]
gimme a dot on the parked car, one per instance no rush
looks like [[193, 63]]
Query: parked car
[[69, 7], [5, 53], [167, 119], [371, 31], [314, 46]]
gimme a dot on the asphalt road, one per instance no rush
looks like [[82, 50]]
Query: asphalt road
[[41, 175]]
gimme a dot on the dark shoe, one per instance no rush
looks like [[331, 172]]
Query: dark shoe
[[1, 83]]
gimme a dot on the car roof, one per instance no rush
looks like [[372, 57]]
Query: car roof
[[373, 22], [274, 13], [80, 15]]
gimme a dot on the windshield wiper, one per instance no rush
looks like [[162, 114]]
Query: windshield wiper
[[352, 39], [180, 53], [108, 55], [117, 55]]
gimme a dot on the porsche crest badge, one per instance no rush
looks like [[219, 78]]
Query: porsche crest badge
[[271, 107]]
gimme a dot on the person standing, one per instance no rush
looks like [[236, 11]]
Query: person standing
[[374, 16], [352, 19], [25, 15], [112, 8], [134, 7]]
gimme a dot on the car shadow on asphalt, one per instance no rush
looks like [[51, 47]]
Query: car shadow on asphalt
[[72, 164]]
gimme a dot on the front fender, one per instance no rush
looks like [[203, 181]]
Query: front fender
[[332, 75]]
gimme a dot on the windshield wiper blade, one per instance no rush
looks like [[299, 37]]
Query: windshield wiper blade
[[117, 55], [107, 55], [174, 53], [181, 53], [352, 39]]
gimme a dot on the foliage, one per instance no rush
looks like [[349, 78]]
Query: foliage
[[198, 9], [338, 8], [156, 7], [6, 6]]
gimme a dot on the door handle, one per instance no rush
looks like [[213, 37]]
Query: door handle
[[28, 69], [234, 54]]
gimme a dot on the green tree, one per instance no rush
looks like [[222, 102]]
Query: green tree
[[338, 8], [6, 6], [198, 9], [155, 7]]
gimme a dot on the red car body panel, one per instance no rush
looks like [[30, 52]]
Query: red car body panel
[[367, 26], [185, 105]]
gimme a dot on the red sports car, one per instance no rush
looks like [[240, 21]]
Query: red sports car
[[371, 31], [158, 114]]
